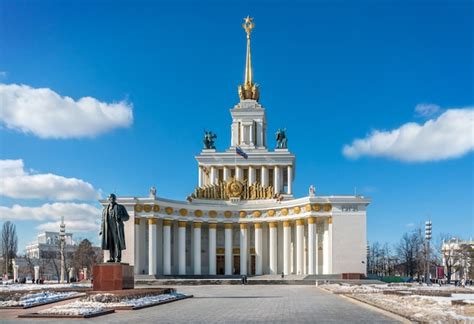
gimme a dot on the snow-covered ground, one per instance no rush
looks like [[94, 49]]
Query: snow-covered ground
[[29, 300], [28, 287], [410, 304], [100, 302]]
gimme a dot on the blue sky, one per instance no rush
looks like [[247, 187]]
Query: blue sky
[[330, 72]]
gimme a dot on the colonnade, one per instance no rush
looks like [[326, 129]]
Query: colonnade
[[252, 178], [298, 255]]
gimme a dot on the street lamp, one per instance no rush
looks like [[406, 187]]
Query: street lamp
[[62, 242], [428, 227]]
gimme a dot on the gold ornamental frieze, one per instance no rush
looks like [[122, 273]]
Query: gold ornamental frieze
[[284, 211], [271, 212], [212, 213], [138, 208], [327, 207], [257, 213], [307, 207], [198, 213], [242, 214], [233, 189], [183, 212], [169, 210], [156, 208], [296, 210], [147, 208], [317, 207], [227, 214]]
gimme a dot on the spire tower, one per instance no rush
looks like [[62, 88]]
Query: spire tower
[[248, 90]]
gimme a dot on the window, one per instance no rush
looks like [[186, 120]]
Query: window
[[220, 176], [258, 175], [270, 177], [246, 174]]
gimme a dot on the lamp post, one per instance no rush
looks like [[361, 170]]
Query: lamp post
[[428, 227], [62, 241]]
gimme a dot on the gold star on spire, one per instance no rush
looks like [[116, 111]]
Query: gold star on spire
[[248, 90]]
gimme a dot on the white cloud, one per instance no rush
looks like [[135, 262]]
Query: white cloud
[[46, 114], [3, 74], [448, 136], [77, 217], [15, 182], [427, 110]]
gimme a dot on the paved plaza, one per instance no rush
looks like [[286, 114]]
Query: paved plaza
[[232, 304]]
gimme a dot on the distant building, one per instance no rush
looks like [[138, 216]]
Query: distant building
[[47, 245], [459, 256], [45, 252]]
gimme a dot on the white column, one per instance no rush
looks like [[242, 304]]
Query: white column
[[213, 175], [290, 180], [238, 173], [243, 249], [181, 248], [299, 245], [226, 173], [316, 239], [200, 177], [264, 175], [84, 272], [273, 247], [286, 247], [15, 270], [276, 179], [311, 244], [330, 271], [37, 271], [258, 249], [327, 246], [212, 248], [197, 248], [152, 246], [251, 175], [136, 251], [167, 247], [252, 135], [228, 249]]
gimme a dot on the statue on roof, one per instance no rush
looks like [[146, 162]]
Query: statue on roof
[[281, 139], [209, 139]]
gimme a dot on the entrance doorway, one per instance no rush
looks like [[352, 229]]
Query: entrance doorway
[[252, 264], [236, 264], [220, 264]]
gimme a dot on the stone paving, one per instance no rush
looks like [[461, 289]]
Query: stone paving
[[266, 303]]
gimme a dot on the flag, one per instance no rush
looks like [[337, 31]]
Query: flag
[[241, 152]]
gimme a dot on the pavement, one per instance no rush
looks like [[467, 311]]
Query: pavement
[[250, 303]]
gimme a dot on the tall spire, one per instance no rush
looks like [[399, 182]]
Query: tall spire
[[248, 90]]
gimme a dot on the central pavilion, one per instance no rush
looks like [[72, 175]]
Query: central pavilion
[[242, 217]]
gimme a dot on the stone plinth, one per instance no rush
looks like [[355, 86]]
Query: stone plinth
[[112, 276]]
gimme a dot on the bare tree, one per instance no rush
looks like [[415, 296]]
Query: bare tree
[[9, 244], [85, 256], [410, 252]]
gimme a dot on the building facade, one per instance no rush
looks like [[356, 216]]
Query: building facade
[[242, 217], [458, 258]]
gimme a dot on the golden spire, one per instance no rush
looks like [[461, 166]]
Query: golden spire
[[248, 90]]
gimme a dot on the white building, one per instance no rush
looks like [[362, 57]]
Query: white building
[[242, 218], [48, 242], [459, 256]]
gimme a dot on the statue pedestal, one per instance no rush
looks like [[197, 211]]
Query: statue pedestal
[[112, 276]]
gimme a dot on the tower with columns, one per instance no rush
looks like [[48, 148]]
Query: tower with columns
[[242, 217]]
